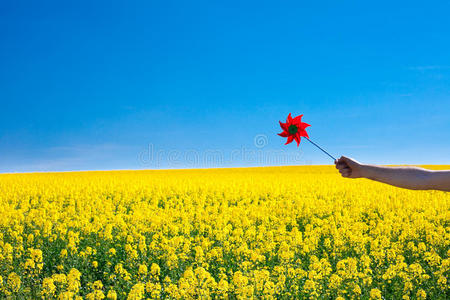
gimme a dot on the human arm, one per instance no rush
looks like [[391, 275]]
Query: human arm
[[413, 178]]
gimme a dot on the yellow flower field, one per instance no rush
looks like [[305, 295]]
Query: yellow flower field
[[276, 232]]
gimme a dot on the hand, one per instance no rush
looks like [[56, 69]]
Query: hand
[[349, 167]]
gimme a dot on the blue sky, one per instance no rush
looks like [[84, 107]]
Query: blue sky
[[92, 85]]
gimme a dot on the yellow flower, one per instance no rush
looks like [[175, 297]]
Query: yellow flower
[[30, 238], [89, 250], [154, 289], [357, 290], [223, 287], [14, 282], [73, 280], [66, 295], [137, 292], [112, 295], [154, 269], [421, 294], [375, 294], [29, 264], [422, 247], [310, 288], [60, 278], [142, 269], [442, 281], [335, 281], [98, 285], [95, 295], [269, 289], [63, 253], [48, 286]]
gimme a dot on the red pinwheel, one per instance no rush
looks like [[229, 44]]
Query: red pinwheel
[[294, 129]]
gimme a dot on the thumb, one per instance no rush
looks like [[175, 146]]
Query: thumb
[[348, 161]]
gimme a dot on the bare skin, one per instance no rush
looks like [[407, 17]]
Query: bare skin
[[413, 178]]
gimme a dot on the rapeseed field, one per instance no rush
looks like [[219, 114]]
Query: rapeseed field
[[275, 232]]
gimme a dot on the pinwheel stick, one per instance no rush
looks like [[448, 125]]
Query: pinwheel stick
[[321, 149]]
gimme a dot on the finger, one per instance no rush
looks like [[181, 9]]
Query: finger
[[347, 160], [342, 166], [344, 159], [346, 174], [344, 171]]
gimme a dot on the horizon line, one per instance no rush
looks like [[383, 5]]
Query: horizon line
[[201, 168]]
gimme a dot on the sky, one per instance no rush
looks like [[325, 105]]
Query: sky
[[106, 85]]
